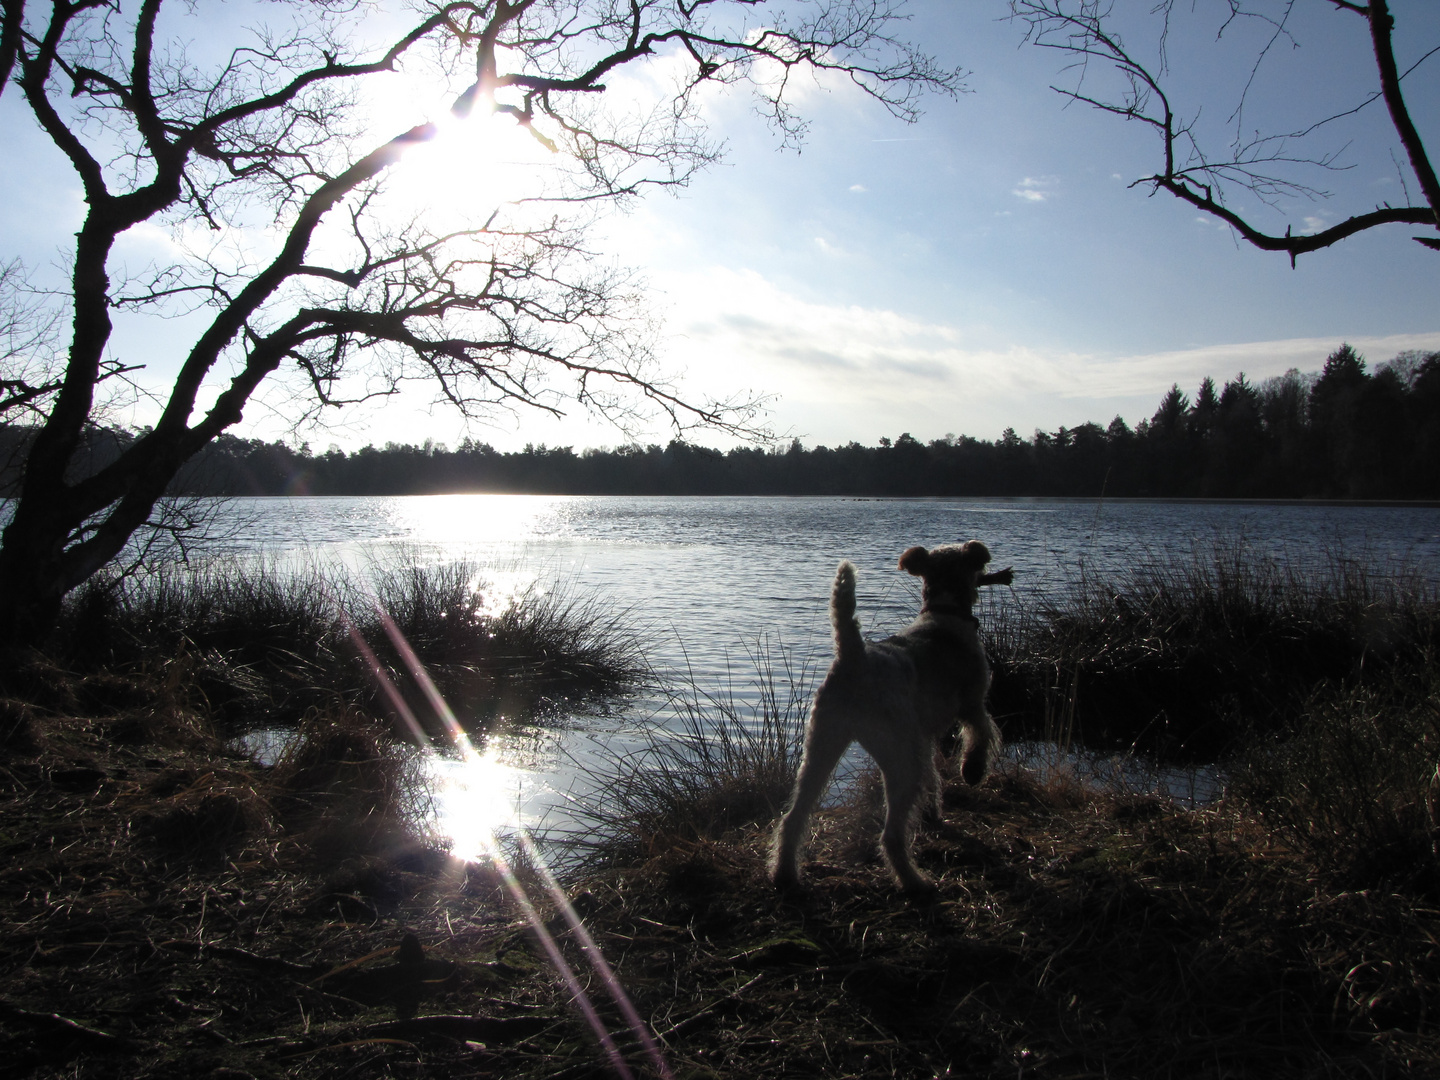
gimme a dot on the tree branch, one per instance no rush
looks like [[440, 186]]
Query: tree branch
[[1078, 27]]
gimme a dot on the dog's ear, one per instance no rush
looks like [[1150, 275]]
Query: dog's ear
[[915, 560], [975, 553]]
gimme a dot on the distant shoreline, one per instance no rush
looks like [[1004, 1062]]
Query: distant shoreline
[[1414, 504]]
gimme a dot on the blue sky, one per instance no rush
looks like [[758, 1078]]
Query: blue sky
[[987, 267]]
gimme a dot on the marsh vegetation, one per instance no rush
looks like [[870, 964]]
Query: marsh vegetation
[[260, 644], [177, 908]]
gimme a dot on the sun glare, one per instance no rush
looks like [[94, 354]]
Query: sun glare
[[471, 167], [449, 520], [476, 798]]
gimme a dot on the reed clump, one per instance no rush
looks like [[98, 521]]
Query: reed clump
[[256, 645], [1191, 659], [1352, 783], [345, 787]]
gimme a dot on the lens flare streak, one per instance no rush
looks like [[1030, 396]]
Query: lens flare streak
[[462, 744], [552, 950]]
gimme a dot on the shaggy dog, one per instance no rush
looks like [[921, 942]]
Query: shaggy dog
[[898, 698]]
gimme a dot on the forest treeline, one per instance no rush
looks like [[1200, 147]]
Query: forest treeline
[[1343, 432]]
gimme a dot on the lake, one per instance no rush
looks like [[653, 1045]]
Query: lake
[[704, 579]]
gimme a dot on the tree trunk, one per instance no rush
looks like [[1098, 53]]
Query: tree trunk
[[32, 577]]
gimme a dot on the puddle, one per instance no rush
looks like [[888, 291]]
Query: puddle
[[465, 801], [1120, 774]]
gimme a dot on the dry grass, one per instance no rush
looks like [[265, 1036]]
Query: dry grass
[[1189, 660], [712, 767]]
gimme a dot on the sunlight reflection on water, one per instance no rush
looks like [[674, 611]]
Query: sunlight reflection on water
[[704, 578], [446, 520], [474, 800]]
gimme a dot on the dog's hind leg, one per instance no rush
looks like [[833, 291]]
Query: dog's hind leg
[[903, 764], [825, 743]]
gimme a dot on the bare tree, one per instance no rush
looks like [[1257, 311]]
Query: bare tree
[[166, 129], [29, 371], [1271, 165]]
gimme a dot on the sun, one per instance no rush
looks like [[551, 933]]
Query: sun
[[473, 166]]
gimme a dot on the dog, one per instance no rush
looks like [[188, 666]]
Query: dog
[[898, 698]]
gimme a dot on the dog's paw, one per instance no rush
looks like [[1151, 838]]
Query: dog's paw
[[920, 891], [785, 878], [974, 770]]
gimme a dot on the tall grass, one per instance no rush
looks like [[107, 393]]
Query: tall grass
[[258, 644], [707, 765], [1353, 784], [1318, 686], [1188, 659]]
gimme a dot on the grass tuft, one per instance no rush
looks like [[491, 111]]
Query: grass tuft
[[345, 788], [250, 644], [712, 767], [1353, 785]]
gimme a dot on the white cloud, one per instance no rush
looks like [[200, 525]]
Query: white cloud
[[859, 189], [837, 373], [1035, 189], [843, 372]]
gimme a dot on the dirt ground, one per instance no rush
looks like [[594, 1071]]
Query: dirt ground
[[161, 920]]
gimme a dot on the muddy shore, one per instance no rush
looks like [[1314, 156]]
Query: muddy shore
[[169, 913]]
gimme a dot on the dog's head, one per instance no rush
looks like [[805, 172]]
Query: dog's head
[[952, 574]]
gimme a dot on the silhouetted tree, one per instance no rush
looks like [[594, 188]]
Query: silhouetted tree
[[168, 127], [1207, 405], [1425, 395], [1290, 469], [1334, 413], [1237, 445]]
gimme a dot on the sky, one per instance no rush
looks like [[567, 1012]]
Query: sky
[[987, 267]]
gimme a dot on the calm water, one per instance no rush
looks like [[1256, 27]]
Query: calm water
[[704, 579], [704, 576]]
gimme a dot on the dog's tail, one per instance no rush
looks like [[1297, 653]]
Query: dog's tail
[[849, 645]]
